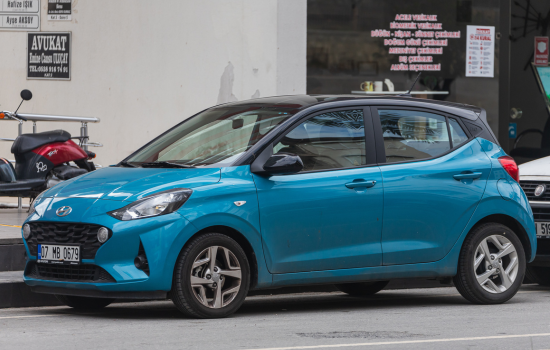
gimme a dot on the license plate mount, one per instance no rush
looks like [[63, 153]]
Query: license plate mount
[[59, 254]]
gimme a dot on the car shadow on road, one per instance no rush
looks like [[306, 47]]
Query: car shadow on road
[[301, 303]]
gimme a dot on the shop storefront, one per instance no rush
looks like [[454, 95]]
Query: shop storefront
[[465, 50]]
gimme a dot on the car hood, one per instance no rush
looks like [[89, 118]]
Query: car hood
[[130, 184], [538, 167]]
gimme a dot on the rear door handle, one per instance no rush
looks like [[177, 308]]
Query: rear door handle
[[470, 175], [361, 183]]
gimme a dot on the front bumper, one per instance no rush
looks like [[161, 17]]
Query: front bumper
[[161, 237]]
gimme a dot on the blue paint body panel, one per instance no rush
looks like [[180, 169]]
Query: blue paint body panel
[[312, 221], [303, 228], [425, 208]]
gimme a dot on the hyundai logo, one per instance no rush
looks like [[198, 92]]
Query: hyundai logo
[[539, 191], [63, 211]]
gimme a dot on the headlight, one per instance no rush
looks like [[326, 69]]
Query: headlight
[[161, 203]]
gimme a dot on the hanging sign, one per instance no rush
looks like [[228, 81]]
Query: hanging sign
[[480, 51], [59, 10], [49, 56], [20, 15], [541, 51]]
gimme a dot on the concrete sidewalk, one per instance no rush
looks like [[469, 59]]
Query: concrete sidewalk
[[10, 225]]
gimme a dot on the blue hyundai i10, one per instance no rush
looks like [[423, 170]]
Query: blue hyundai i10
[[285, 191]]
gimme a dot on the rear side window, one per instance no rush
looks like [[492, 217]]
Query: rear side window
[[332, 140], [457, 133], [411, 135]]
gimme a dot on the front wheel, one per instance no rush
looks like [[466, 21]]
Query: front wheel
[[491, 265], [211, 277], [84, 303]]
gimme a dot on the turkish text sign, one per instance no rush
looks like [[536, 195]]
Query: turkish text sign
[[49, 56], [541, 51], [20, 15]]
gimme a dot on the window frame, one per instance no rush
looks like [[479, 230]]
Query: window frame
[[370, 142], [381, 150]]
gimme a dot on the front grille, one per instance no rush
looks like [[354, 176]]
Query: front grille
[[65, 233], [69, 273], [543, 246], [541, 214], [529, 189]]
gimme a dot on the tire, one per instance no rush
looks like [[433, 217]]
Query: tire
[[538, 274], [205, 297], [84, 303], [499, 279], [362, 289]]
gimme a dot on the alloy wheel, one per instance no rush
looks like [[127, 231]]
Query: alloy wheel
[[496, 264], [216, 277]]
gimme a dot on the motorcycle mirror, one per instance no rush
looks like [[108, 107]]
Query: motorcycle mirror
[[26, 94]]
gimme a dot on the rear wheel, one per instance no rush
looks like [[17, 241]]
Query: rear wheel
[[84, 303], [491, 265], [538, 274], [363, 288], [211, 277]]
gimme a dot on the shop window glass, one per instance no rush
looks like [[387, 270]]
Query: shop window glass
[[457, 133], [412, 135], [328, 141]]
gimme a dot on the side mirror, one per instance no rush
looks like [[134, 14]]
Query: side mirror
[[283, 163], [26, 94]]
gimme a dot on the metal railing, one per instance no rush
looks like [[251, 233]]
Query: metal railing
[[84, 136]]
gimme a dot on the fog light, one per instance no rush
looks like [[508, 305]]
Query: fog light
[[26, 231], [140, 262], [102, 235]]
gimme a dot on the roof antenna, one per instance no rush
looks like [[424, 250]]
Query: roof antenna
[[408, 93]]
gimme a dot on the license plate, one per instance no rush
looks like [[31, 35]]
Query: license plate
[[59, 254], [543, 229]]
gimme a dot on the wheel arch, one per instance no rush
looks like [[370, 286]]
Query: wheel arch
[[241, 240], [511, 223]]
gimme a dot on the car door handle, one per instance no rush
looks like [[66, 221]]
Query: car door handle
[[361, 183], [464, 176]]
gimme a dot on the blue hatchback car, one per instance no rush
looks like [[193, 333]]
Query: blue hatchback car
[[285, 191]]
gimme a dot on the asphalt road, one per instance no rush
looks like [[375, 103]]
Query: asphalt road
[[406, 319]]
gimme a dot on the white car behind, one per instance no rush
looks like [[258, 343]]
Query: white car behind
[[535, 181]]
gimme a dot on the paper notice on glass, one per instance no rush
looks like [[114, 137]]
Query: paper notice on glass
[[480, 51]]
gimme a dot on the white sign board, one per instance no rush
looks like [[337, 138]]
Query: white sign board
[[20, 15], [480, 51]]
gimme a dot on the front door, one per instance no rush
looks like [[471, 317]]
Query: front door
[[434, 178], [329, 216]]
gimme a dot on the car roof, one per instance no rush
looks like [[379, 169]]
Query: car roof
[[300, 102]]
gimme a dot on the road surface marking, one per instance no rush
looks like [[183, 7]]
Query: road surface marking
[[409, 342], [10, 226], [30, 316]]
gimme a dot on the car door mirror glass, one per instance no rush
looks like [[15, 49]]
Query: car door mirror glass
[[283, 163]]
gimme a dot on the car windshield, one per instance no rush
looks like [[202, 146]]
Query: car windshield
[[216, 137]]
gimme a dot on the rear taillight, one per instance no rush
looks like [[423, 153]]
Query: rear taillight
[[509, 164]]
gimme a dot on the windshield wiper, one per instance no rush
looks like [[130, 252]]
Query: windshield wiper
[[164, 165], [125, 163]]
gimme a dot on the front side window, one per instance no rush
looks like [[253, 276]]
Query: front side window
[[412, 135], [216, 137], [330, 140]]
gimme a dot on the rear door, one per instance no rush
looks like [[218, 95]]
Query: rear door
[[434, 177]]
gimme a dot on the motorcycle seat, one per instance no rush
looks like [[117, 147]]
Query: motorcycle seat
[[27, 142]]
